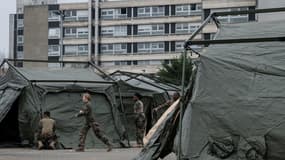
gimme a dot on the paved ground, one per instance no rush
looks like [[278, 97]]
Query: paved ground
[[94, 154]]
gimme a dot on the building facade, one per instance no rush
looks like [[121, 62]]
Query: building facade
[[131, 35]]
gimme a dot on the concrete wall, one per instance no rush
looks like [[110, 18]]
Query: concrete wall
[[271, 4], [36, 34]]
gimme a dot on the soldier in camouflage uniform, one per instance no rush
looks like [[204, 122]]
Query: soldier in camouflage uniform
[[86, 111], [139, 119], [46, 134]]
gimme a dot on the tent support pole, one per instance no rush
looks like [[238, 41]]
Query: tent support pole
[[123, 110], [3, 62], [97, 68], [14, 68], [181, 105]]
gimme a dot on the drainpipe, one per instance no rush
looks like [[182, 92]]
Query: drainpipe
[[89, 29], [96, 41]]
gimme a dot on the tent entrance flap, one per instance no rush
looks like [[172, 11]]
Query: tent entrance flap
[[7, 98], [9, 127]]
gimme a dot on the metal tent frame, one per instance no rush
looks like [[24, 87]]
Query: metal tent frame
[[137, 75]]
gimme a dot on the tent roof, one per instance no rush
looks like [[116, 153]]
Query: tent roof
[[68, 74], [143, 81]]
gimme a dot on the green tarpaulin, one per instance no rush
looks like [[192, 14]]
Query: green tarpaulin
[[63, 100], [236, 107]]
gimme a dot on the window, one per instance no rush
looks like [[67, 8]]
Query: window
[[53, 50], [107, 64], [232, 18], [75, 50], [82, 15], [186, 27], [82, 49], [118, 13], [144, 12], [20, 48], [70, 32], [155, 62], [70, 50], [54, 33], [107, 13], [114, 31], [154, 47], [107, 48], [20, 54], [144, 29], [20, 39], [82, 32], [53, 65], [145, 62], [76, 32], [52, 16], [107, 31], [20, 23], [120, 48], [151, 11], [179, 46], [120, 31], [76, 15], [190, 9], [157, 29]]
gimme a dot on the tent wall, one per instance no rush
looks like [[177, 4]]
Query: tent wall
[[29, 114], [63, 105], [238, 102]]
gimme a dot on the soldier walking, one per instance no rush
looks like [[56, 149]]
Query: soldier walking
[[139, 119], [90, 122]]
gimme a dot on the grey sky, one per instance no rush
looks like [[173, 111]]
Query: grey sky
[[7, 8]]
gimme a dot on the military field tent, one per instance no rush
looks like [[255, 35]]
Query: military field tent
[[26, 93], [153, 95], [236, 111]]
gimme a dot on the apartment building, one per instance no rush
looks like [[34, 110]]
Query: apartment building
[[16, 27], [130, 35]]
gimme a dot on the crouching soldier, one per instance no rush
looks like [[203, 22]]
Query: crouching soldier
[[86, 111], [46, 135]]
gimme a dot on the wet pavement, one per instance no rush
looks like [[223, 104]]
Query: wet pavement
[[90, 154]]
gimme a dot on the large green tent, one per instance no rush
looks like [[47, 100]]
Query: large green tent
[[234, 110], [154, 93], [26, 93]]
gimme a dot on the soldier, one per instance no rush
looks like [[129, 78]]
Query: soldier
[[139, 119], [46, 135], [158, 111], [86, 111], [175, 97]]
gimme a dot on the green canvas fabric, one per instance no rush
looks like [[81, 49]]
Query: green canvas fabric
[[63, 100], [238, 95], [235, 109]]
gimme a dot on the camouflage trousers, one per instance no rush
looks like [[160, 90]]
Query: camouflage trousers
[[47, 139], [140, 127], [97, 131]]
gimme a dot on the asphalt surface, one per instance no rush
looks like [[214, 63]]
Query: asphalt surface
[[92, 154]]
